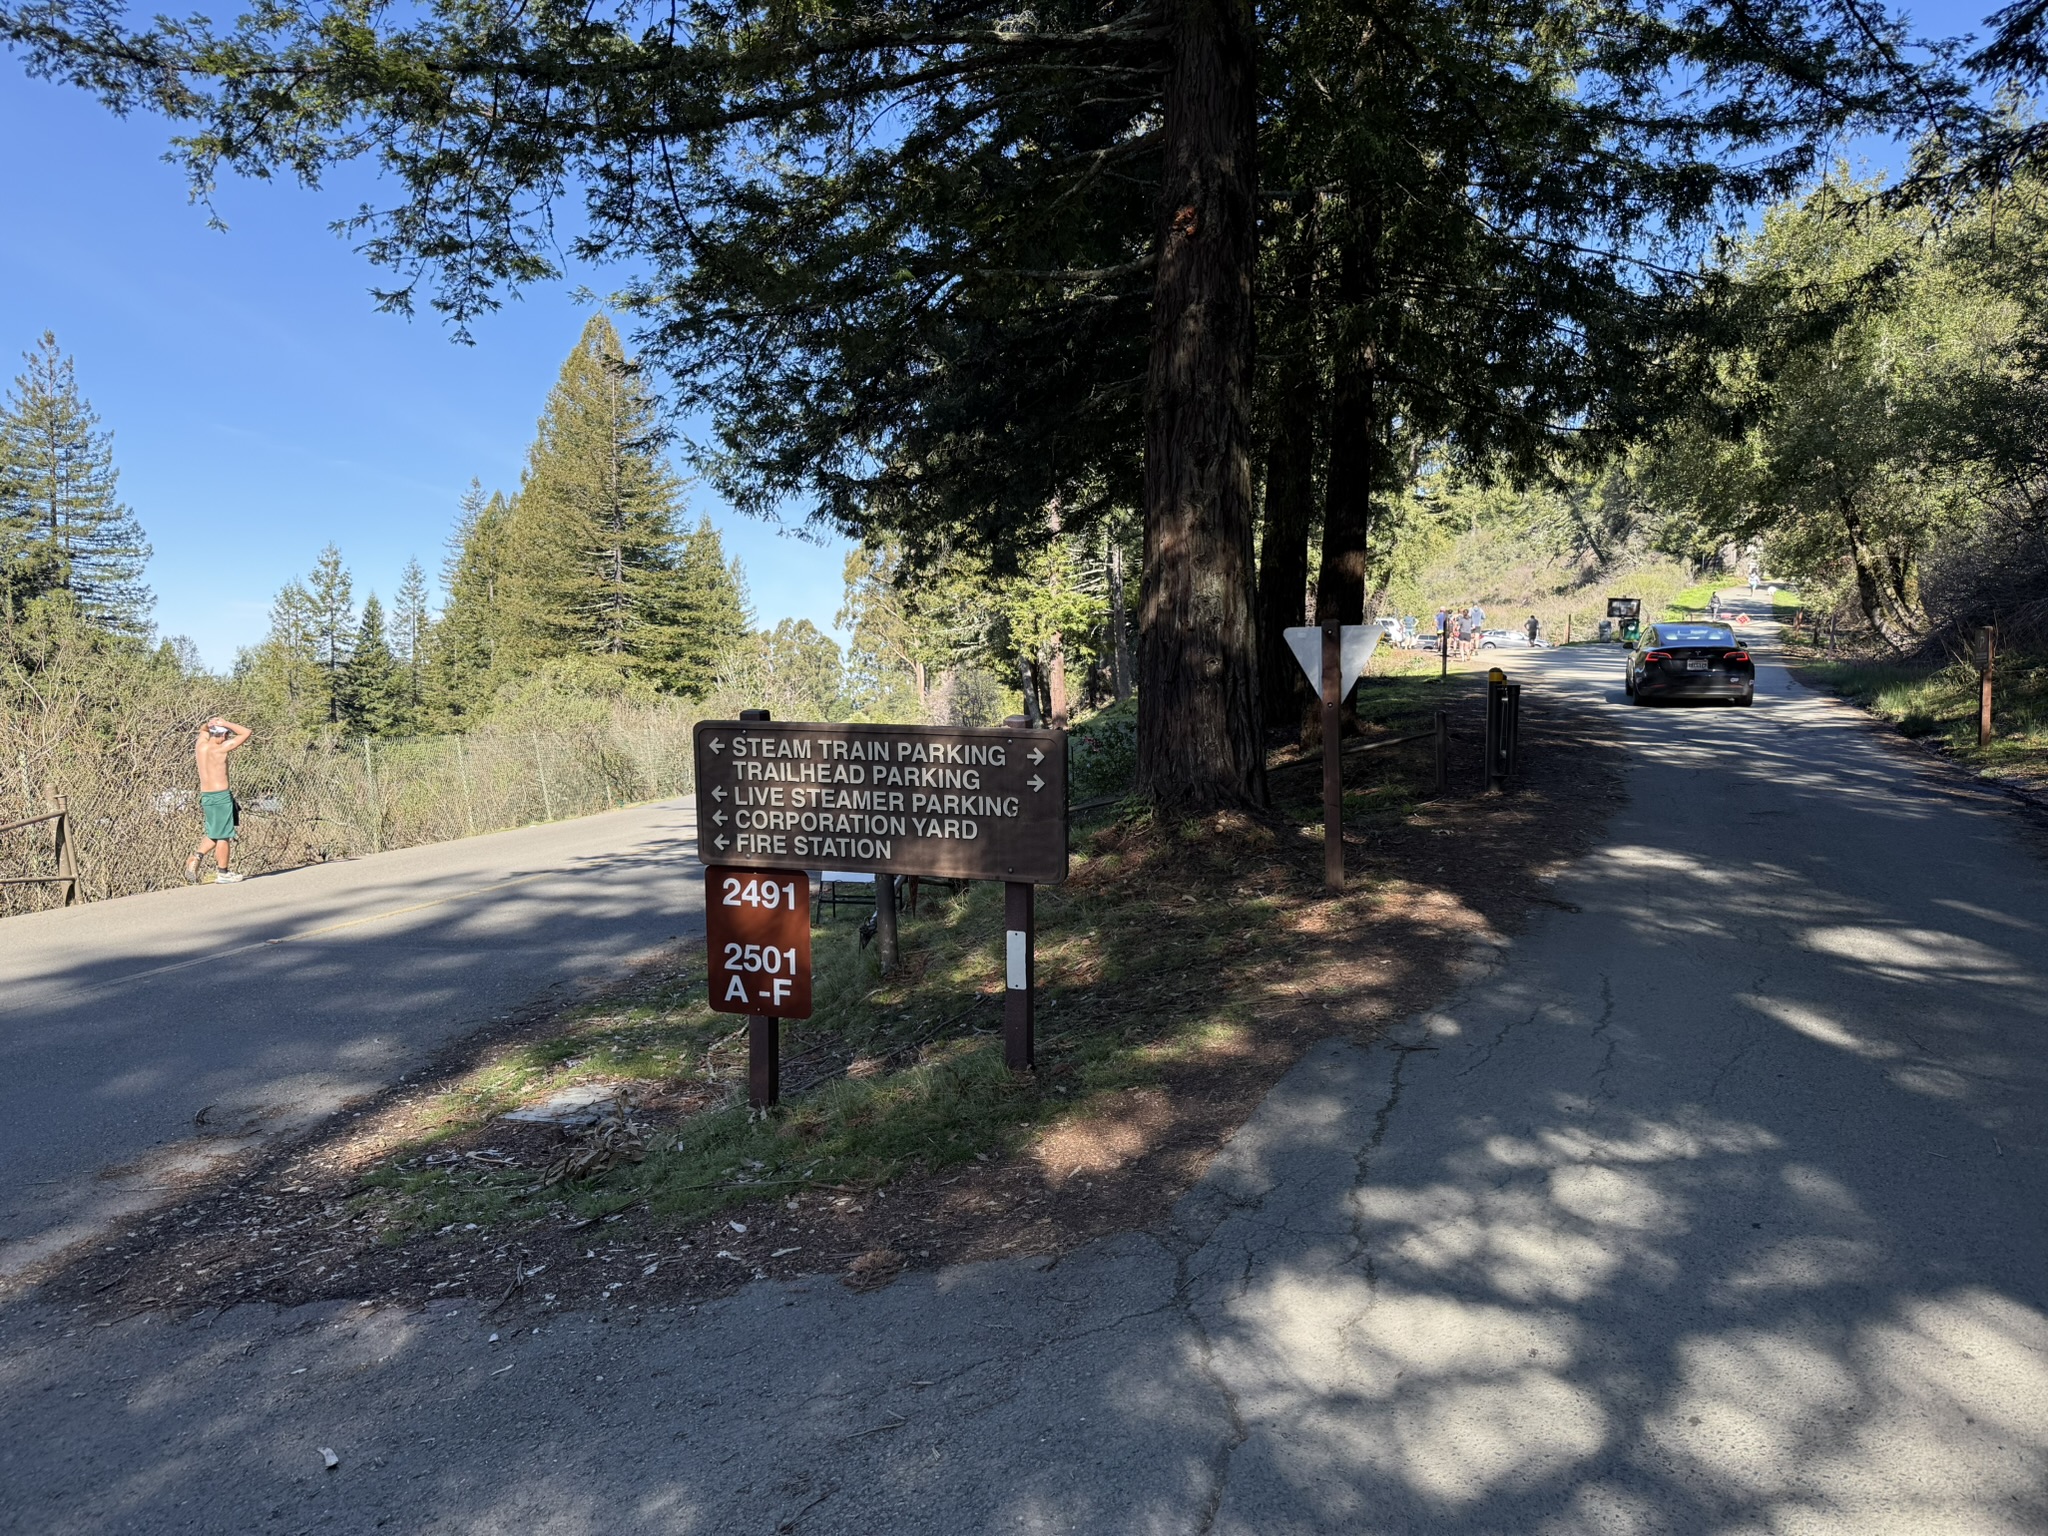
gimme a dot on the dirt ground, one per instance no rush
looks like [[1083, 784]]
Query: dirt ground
[[290, 1228]]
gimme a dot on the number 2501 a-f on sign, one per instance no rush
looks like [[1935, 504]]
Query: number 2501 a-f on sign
[[757, 926], [967, 802]]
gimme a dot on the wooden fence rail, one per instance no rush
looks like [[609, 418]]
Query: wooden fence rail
[[67, 862]]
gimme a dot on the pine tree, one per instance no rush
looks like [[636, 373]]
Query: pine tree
[[29, 567], [284, 671], [591, 543], [466, 640], [330, 592], [411, 621], [59, 488], [370, 691], [708, 616]]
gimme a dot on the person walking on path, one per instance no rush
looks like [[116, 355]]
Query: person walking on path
[[217, 738], [1534, 628]]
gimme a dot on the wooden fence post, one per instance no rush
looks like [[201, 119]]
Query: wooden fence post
[[885, 923], [67, 860], [1987, 651]]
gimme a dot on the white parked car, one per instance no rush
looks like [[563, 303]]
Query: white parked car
[[1505, 639]]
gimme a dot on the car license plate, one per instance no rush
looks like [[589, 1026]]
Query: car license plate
[[1696, 666]]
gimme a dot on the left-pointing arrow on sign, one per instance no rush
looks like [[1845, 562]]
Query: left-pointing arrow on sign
[[715, 744], [719, 817], [718, 843]]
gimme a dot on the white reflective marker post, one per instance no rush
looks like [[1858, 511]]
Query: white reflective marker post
[[1020, 975]]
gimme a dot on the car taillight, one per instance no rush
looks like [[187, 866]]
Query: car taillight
[[1735, 655], [1656, 655]]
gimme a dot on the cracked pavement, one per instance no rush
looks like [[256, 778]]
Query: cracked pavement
[[1713, 1202]]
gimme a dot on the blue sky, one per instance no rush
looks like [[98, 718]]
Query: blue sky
[[261, 406]]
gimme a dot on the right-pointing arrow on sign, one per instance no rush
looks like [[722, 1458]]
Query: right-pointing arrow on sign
[[1036, 754], [1036, 783]]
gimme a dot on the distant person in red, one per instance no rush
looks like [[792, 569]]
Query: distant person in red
[[217, 738]]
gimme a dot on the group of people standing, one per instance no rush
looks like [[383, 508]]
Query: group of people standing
[[1463, 627]]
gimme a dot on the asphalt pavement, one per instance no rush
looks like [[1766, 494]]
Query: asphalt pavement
[[1713, 1202], [144, 1040]]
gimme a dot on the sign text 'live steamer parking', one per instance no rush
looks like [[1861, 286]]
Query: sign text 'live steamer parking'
[[975, 803]]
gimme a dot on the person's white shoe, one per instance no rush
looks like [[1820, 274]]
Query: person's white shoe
[[227, 877]]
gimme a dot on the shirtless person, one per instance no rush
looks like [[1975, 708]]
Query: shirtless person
[[217, 738]]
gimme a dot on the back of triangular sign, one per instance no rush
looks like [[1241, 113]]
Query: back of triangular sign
[[1355, 643]]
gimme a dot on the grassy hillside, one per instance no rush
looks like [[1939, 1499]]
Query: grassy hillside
[[1514, 564]]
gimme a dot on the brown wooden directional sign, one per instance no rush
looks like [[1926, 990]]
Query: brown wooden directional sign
[[757, 940], [974, 803]]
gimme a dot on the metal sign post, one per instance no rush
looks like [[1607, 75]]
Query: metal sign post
[[1334, 657], [1333, 764], [1503, 729]]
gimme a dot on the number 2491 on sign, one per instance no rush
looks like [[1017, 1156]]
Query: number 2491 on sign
[[757, 936]]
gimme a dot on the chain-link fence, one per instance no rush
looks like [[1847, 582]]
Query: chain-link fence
[[135, 806]]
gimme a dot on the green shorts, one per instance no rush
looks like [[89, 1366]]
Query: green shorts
[[222, 814]]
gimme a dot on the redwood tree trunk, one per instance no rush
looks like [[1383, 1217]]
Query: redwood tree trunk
[[1119, 631], [1290, 500], [1199, 746]]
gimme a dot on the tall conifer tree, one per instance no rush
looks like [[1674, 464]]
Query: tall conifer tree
[[411, 619], [707, 610], [284, 671], [330, 593], [466, 640], [591, 544], [370, 688], [59, 488]]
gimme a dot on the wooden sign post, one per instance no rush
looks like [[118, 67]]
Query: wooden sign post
[[757, 941], [970, 802]]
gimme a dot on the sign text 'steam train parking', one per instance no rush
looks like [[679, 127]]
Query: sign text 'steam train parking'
[[976, 803]]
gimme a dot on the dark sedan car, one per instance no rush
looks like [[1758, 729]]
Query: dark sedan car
[[1691, 661]]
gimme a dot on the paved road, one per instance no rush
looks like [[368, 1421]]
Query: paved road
[[1715, 1205], [270, 1003]]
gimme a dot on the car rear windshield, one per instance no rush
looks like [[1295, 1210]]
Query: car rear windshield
[[1694, 634]]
